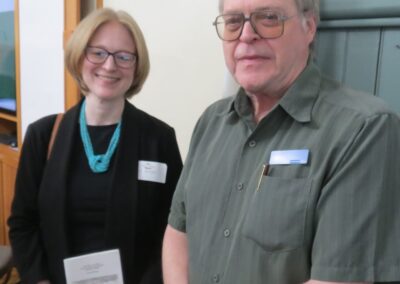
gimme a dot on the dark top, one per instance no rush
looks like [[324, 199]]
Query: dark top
[[87, 194], [136, 210]]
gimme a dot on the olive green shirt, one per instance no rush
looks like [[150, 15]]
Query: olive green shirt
[[335, 217]]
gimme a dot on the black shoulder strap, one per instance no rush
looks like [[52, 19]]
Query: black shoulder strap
[[54, 133]]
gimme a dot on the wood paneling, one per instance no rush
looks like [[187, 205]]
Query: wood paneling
[[72, 15], [8, 169], [2, 224]]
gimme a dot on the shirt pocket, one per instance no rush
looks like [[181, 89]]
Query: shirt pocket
[[276, 216]]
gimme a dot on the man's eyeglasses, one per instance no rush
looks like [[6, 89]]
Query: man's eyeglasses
[[122, 59], [266, 23]]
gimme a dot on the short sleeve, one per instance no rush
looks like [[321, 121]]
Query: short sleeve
[[177, 216], [357, 224]]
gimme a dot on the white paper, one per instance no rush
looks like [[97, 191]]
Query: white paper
[[152, 171], [95, 268]]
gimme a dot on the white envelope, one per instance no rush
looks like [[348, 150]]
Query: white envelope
[[99, 267]]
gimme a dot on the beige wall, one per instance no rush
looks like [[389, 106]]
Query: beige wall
[[187, 68]]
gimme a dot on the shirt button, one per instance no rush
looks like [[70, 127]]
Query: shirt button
[[252, 144], [240, 186], [227, 233], [216, 278]]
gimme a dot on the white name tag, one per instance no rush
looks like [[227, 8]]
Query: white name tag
[[289, 157], [152, 171], [99, 267]]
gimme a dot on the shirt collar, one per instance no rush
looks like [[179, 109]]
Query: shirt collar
[[298, 101], [301, 96], [240, 104]]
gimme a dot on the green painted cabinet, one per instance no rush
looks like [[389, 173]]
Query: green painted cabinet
[[388, 71], [358, 43]]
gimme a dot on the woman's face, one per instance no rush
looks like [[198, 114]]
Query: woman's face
[[107, 80]]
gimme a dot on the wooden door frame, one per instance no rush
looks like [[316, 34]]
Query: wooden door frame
[[72, 16]]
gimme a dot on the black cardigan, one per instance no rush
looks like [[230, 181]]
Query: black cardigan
[[137, 210]]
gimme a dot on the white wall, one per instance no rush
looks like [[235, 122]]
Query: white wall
[[41, 24], [187, 67]]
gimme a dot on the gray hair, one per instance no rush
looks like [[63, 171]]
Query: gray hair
[[304, 6], [308, 6]]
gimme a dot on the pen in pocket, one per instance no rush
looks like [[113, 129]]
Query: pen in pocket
[[264, 172]]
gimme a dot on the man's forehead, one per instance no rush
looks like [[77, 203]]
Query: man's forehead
[[254, 5]]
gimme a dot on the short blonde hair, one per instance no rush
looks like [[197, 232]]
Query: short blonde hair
[[77, 43]]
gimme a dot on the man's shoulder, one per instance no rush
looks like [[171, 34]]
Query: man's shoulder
[[348, 100], [220, 107], [212, 120]]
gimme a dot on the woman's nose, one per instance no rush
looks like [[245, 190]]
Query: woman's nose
[[110, 62]]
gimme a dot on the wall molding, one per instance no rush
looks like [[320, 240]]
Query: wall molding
[[359, 9]]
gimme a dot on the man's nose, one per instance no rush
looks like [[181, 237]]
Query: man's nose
[[248, 32]]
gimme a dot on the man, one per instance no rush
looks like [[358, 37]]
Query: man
[[296, 178]]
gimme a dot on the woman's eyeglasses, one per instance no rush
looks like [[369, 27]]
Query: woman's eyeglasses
[[122, 59]]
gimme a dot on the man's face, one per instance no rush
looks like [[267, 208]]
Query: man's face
[[268, 66]]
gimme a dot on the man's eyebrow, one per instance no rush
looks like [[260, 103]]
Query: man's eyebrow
[[258, 9], [270, 8]]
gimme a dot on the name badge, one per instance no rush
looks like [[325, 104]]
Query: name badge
[[289, 157], [152, 171], [99, 267]]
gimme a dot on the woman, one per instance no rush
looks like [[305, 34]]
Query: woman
[[111, 173]]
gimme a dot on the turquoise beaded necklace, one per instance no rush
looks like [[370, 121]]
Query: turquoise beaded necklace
[[97, 163]]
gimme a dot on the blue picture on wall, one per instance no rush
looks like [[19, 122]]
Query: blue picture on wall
[[7, 57]]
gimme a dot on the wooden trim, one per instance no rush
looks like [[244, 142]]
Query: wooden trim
[[8, 117], [17, 72], [72, 14], [8, 172], [72, 17], [99, 4], [2, 213]]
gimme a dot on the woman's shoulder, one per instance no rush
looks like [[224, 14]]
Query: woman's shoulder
[[147, 120], [44, 124]]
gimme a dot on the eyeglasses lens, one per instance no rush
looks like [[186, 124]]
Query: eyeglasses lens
[[267, 24], [99, 56]]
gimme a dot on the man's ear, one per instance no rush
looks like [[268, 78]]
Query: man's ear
[[310, 25]]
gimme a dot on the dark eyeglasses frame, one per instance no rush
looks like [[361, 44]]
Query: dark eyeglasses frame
[[132, 63], [281, 18]]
